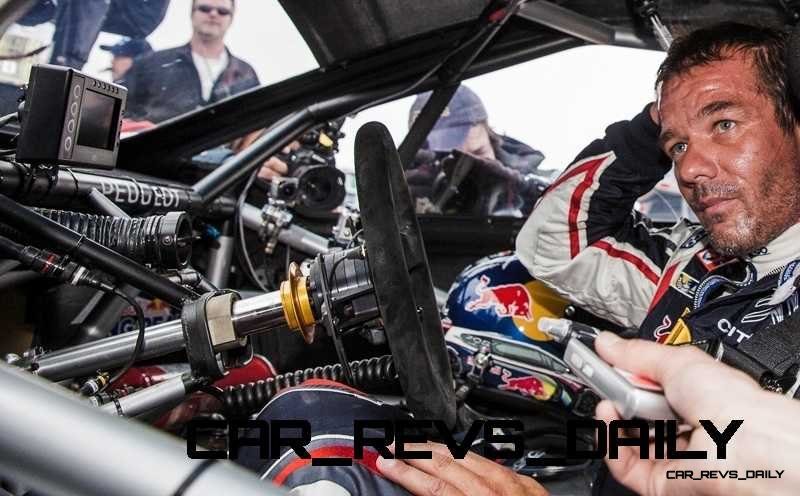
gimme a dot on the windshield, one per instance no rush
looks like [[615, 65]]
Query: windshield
[[545, 111], [173, 55]]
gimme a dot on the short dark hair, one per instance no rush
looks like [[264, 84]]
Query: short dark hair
[[766, 46], [233, 4]]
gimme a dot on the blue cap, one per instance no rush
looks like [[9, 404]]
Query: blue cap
[[464, 111], [128, 47]]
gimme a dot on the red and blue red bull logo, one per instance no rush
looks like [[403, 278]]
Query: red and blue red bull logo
[[507, 300], [530, 385]]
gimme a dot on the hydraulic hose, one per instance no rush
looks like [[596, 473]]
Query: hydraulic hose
[[370, 373], [165, 241]]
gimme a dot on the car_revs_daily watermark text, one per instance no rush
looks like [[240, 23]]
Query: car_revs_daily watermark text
[[724, 474], [271, 437]]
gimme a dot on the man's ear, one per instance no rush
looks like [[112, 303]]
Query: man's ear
[[654, 113]]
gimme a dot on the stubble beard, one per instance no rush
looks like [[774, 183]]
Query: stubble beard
[[778, 208], [743, 239]]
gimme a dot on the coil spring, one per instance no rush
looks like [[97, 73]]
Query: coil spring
[[158, 239], [245, 399]]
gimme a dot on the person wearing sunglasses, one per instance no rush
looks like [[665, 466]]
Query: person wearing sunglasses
[[171, 82]]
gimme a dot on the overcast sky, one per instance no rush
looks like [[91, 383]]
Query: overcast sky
[[556, 104]]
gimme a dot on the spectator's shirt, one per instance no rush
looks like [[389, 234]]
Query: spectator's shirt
[[584, 240], [167, 83], [209, 71]]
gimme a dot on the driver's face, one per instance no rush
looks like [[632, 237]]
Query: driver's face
[[737, 168], [212, 18], [478, 143]]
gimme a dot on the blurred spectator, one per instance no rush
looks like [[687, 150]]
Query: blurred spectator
[[123, 54], [464, 126], [78, 23], [175, 81]]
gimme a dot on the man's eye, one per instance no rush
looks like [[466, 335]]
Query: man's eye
[[677, 149], [725, 125]]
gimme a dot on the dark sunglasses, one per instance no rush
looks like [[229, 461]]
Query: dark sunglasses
[[207, 9]]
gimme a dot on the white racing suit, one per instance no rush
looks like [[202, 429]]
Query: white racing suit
[[584, 240]]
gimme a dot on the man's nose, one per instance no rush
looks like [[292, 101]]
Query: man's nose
[[697, 164]]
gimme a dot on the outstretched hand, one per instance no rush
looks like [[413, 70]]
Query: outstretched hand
[[697, 387]]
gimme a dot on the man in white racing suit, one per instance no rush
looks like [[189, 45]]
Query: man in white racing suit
[[728, 127], [724, 120]]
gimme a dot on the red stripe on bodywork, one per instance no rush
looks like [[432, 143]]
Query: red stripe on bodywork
[[663, 285], [369, 460], [628, 257]]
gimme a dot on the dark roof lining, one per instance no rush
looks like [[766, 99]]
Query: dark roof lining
[[355, 28]]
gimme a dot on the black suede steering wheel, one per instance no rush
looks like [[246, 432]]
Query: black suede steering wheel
[[401, 277]]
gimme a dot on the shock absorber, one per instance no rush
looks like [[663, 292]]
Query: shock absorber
[[164, 241], [368, 374]]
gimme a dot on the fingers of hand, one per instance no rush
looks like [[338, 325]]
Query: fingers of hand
[[415, 480], [294, 145], [266, 173], [277, 165], [497, 476], [442, 465], [272, 168], [676, 368], [484, 467], [652, 360], [530, 487], [627, 467], [471, 475]]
